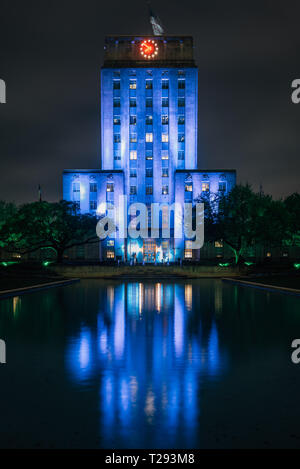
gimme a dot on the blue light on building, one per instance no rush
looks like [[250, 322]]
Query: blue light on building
[[149, 102]]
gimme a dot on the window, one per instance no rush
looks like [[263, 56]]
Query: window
[[165, 156], [149, 137], [165, 172], [149, 190], [181, 155], [133, 154], [117, 155], [149, 120], [132, 102], [132, 84], [218, 244], [164, 137], [149, 85], [149, 102], [76, 186], [188, 251], [132, 190], [116, 84], [117, 138], [133, 173], [165, 190], [132, 120], [117, 120], [205, 186], [165, 102], [188, 187], [93, 187], [181, 102], [222, 186], [165, 84], [133, 138], [165, 119], [149, 172], [181, 84], [93, 205], [180, 137], [181, 120], [110, 187], [149, 155], [110, 242], [116, 102]]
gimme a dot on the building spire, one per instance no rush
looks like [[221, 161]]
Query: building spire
[[156, 24]]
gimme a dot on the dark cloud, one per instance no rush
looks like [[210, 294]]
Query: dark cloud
[[51, 53]]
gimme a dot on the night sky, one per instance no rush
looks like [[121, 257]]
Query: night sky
[[248, 53]]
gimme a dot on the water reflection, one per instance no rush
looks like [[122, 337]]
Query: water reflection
[[149, 353]]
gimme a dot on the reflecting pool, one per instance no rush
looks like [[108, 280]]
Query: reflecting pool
[[189, 364]]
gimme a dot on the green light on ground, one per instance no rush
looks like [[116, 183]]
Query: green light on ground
[[249, 263], [227, 264], [297, 266], [46, 263], [5, 264]]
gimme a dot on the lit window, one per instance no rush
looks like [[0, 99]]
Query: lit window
[[180, 137], [165, 172], [181, 155], [164, 138], [181, 120], [149, 120], [165, 119], [132, 190], [110, 242], [117, 120], [132, 102], [117, 138], [110, 254], [116, 84], [132, 84], [165, 84], [117, 102], [181, 84], [218, 244], [93, 187], [110, 187], [133, 154], [149, 137], [133, 138], [149, 172], [165, 156], [181, 102], [222, 186], [149, 190], [188, 187], [165, 102], [93, 205], [149, 102], [165, 190], [149, 85], [205, 186], [269, 254], [132, 120]]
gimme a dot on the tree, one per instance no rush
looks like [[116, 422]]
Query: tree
[[7, 210], [292, 208], [41, 225], [243, 218]]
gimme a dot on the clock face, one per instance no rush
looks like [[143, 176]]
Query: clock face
[[148, 49]]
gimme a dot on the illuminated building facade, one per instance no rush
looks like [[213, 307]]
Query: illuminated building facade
[[149, 103]]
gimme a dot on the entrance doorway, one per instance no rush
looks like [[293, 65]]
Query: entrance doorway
[[149, 250]]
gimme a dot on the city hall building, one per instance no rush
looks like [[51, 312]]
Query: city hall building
[[149, 126]]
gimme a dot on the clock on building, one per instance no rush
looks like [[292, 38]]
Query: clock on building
[[149, 49]]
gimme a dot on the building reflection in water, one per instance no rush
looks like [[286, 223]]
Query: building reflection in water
[[149, 352]]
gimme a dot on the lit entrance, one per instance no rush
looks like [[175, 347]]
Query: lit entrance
[[149, 250]]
